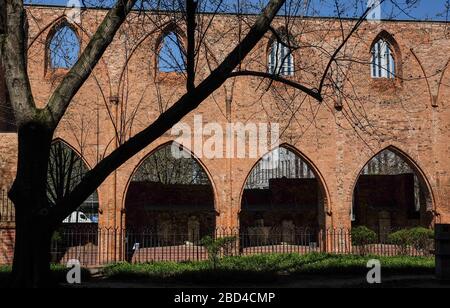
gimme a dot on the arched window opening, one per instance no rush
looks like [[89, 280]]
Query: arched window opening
[[66, 170], [171, 57], [282, 202], [382, 62], [390, 195], [281, 60], [172, 197], [64, 48]]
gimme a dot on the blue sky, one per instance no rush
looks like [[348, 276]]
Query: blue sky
[[407, 9]]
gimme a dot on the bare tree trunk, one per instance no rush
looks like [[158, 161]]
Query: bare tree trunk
[[31, 267], [34, 227]]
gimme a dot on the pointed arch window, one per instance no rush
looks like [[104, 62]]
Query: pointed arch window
[[281, 60], [390, 193], [66, 169], [64, 48], [171, 57], [277, 164], [383, 61], [171, 193], [282, 195], [163, 167]]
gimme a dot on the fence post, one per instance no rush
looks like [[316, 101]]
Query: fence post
[[323, 240]]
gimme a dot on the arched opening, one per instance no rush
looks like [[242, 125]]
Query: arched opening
[[171, 196], [65, 170], [77, 238], [385, 59], [391, 194], [283, 201], [63, 47], [171, 57], [280, 59]]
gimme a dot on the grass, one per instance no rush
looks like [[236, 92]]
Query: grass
[[250, 269], [59, 273], [261, 268]]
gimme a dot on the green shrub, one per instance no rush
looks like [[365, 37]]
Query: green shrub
[[419, 238], [400, 238], [362, 236], [216, 246]]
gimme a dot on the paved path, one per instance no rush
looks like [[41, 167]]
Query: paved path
[[411, 281]]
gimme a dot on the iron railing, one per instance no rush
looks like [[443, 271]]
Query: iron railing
[[7, 212], [93, 246]]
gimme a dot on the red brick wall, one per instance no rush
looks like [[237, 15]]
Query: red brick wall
[[401, 114], [7, 238]]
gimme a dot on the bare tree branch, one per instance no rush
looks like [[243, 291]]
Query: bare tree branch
[[314, 93], [344, 42], [173, 115], [191, 8]]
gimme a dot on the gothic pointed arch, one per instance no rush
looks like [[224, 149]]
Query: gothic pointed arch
[[66, 169], [392, 192], [284, 198], [63, 46], [280, 57], [170, 192], [171, 51], [385, 57]]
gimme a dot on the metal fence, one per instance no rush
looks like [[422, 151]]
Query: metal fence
[[7, 212], [92, 246]]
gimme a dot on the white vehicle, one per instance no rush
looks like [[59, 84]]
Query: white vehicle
[[77, 217]]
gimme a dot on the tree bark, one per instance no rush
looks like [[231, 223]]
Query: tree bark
[[31, 266], [34, 227]]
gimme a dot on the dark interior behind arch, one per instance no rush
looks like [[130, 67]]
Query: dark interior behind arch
[[391, 194], [282, 199], [170, 196]]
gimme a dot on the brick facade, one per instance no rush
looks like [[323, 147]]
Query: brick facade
[[7, 238], [411, 116]]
